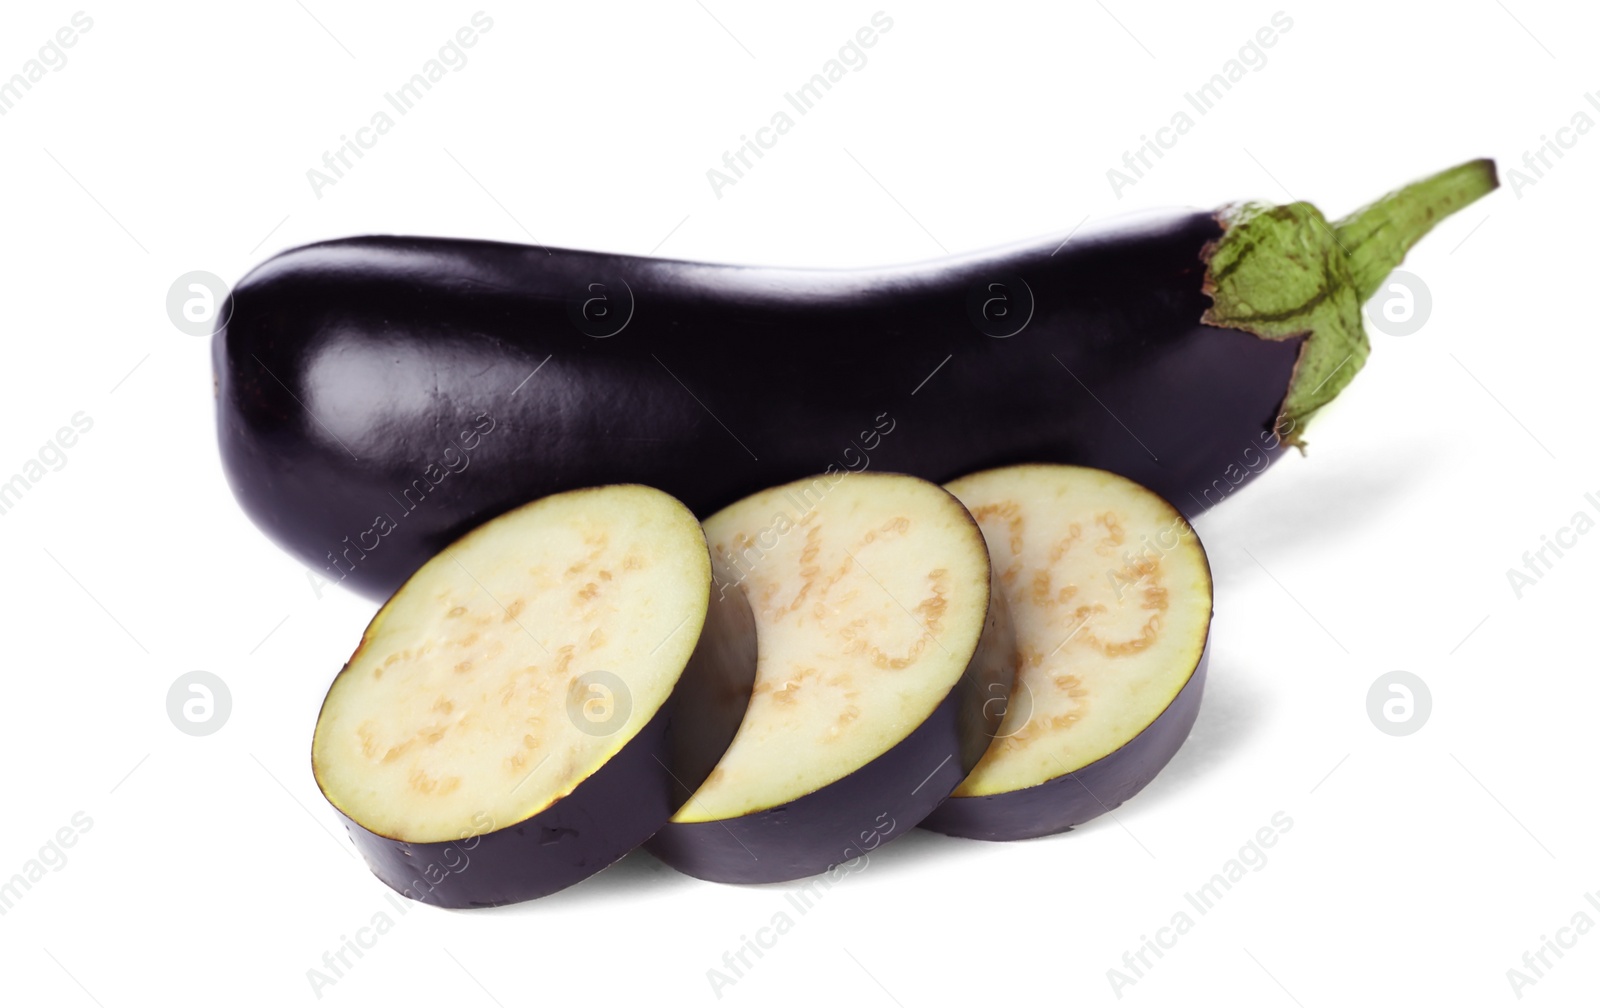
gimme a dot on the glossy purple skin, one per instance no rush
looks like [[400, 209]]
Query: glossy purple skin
[[604, 818], [613, 811], [858, 813], [830, 826], [1059, 804], [346, 368]]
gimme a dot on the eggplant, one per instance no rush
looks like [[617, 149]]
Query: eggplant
[[537, 699], [1109, 592], [885, 659], [377, 397]]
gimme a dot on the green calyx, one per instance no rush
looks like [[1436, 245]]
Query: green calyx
[[1280, 272]]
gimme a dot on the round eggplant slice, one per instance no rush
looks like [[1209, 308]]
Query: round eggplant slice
[[537, 699], [1110, 595], [884, 662]]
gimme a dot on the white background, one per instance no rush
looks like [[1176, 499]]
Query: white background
[[178, 138]]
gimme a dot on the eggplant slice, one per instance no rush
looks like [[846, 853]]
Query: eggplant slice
[[884, 664], [1110, 594], [537, 699]]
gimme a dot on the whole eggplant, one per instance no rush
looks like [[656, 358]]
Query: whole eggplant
[[378, 397]]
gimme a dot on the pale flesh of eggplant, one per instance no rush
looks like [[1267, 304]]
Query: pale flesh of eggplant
[[537, 699], [885, 660], [1110, 594]]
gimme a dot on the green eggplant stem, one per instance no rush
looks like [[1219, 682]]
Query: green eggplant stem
[[1377, 237], [1285, 271]]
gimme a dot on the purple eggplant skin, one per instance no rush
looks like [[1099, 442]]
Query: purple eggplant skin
[[378, 397], [352, 374], [613, 811], [858, 813], [1059, 804]]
